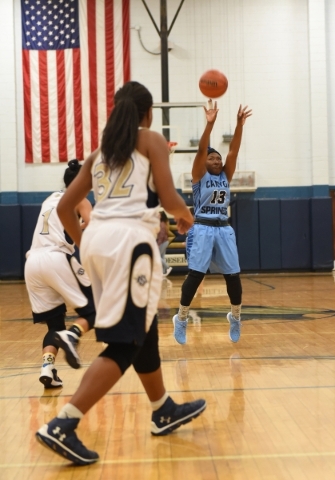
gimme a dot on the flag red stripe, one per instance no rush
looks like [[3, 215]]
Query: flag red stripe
[[44, 106], [92, 66], [27, 107], [126, 40], [109, 45], [78, 113], [61, 98], [53, 138]]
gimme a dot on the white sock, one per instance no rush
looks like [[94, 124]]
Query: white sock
[[236, 311], [183, 312], [70, 411], [156, 405], [48, 358]]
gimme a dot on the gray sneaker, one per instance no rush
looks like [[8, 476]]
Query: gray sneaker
[[179, 330], [234, 328]]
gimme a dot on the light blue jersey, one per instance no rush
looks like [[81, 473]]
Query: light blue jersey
[[211, 197], [212, 247]]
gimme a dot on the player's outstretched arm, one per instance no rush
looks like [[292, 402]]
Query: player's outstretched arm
[[199, 164], [234, 147]]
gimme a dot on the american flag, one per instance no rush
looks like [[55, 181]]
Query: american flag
[[75, 55]]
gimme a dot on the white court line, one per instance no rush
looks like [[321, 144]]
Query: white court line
[[179, 459]]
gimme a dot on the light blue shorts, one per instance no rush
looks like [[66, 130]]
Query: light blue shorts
[[212, 248]]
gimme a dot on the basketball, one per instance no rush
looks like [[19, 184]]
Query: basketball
[[213, 84]]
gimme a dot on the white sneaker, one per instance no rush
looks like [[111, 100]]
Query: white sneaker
[[49, 376]]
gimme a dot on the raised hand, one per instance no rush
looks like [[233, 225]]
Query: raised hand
[[243, 114], [211, 112]]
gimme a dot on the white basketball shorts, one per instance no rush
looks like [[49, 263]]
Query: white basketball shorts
[[122, 260], [51, 281]]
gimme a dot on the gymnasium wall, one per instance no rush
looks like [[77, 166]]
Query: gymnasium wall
[[279, 57]]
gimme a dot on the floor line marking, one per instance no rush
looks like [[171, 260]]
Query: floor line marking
[[208, 458], [194, 390]]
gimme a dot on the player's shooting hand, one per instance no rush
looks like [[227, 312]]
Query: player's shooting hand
[[243, 114], [211, 112]]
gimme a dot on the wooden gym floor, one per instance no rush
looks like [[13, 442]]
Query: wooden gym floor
[[270, 398]]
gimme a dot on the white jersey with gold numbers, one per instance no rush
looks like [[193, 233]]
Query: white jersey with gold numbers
[[127, 192], [49, 231], [52, 273], [119, 250]]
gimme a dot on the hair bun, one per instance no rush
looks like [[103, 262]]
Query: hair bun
[[74, 165]]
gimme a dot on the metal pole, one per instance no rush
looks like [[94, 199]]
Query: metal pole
[[175, 17], [165, 68]]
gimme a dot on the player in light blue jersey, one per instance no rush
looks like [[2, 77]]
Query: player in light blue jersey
[[211, 242]]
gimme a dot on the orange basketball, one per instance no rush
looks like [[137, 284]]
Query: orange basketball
[[213, 84]]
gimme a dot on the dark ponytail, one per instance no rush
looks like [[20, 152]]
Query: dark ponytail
[[132, 102], [71, 172]]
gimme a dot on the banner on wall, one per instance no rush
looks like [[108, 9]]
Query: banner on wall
[[75, 55]]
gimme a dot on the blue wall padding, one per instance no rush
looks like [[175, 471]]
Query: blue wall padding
[[29, 215], [322, 233], [296, 234], [247, 229], [272, 234], [10, 242], [269, 234]]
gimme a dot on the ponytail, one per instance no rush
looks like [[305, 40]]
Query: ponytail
[[119, 137]]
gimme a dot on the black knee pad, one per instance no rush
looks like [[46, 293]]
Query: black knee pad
[[87, 312], [48, 340], [55, 324], [190, 287], [122, 354], [148, 360], [145, 359], [234, 288]]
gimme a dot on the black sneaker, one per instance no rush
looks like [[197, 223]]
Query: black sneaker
[[68, 341], [49, 377], [60, 437], [171, 415]]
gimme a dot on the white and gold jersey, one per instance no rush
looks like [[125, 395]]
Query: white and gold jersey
[[128, 192], [49, 232], [119, 250]]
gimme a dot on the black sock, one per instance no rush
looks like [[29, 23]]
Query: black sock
[[75, 329]]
